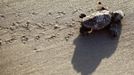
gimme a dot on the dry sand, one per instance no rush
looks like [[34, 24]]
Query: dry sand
[[41, 37]]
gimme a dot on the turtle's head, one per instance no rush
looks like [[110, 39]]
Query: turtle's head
[[117, 16]]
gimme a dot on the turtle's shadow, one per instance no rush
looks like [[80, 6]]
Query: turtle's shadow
[[90, 51]]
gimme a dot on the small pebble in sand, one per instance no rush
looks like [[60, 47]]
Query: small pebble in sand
[[75, 11], [26, 26], [28, 22], [12, 28], [18, 22], [34, 13], [73, 19], [38, 51], [51, 37], [58, 34], [70, 25], [24, 39], [0, 42], [10, 40], [73, 22], [61, 12], [37, 37], [49, 13], [50, 24], [99, 3], [2, 16], [91, 10], [68, 36], [35, 49], [14, 24], [21, 64], [58, 17], [56, 26]]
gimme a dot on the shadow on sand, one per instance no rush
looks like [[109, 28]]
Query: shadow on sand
[[91, 50]]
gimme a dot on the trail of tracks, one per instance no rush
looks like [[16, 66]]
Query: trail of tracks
[[40, 37]]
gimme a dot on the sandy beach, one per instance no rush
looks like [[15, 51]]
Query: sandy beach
[[41, 37]]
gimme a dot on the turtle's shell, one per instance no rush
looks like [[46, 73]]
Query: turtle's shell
[[97, 20]]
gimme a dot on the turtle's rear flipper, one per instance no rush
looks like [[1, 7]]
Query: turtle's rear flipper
[[85, 31]]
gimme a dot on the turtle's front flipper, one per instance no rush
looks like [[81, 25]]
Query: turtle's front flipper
[[85, 31]]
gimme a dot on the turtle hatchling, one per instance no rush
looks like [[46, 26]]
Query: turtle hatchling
[[100, 20]]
